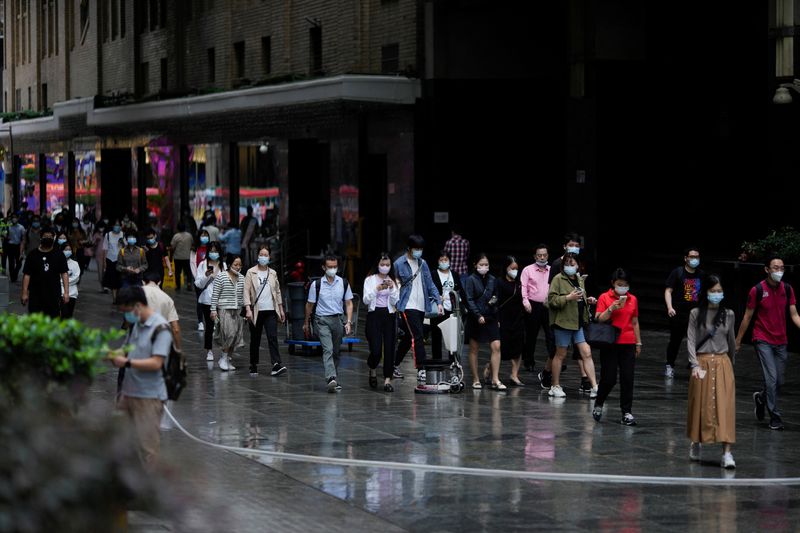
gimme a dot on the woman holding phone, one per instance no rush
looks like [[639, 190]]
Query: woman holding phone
[[381, 294], [621, 308], [207, 270]]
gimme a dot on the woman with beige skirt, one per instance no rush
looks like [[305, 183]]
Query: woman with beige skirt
[[712, 387], [227, 301]]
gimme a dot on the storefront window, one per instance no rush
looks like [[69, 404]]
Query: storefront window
[[162, 187], [56, 183], [258, 185], [209, 186], [87, 185], [29, 182]]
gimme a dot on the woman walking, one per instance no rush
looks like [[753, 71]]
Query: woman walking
[[482, 327], [621, 308], [264, 305], [512, 318], [68, 309], [380, 296], [197, 255], [712, 387], [208, 270], [112, 244], [447, 283], [569, 312], [227, 300]]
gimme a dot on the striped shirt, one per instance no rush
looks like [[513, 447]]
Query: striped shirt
[[226, 295]]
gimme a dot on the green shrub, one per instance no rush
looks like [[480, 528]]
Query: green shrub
[[784, 242]]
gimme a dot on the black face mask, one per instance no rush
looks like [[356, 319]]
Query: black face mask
[[47, 242]]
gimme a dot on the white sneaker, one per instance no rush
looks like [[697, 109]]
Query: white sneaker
[[669, 372], [223, 363], [421, 376], [200, 326], [210, 355], [593, 392], [727, 461], [230, 363], [557, 392], [694, 451]]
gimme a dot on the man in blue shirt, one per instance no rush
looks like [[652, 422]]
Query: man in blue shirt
[[232, 239], [13, 243], [335, 299]]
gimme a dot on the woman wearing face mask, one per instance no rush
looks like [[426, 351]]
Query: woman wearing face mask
[[447, 282], [380, 296], [197, 255], [77, 239], [99, 255], [621, 308], [569, 312], [480, 292], [264, 305], [227, 300], [512, 320], [712, 388], [132, 261], [208, 270], [68, 309], [112, 244]]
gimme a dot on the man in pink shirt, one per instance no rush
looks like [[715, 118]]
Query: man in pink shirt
[[535, 284]]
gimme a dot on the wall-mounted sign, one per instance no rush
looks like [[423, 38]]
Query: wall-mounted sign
[[441, 217]]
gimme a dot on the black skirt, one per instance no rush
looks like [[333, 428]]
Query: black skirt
[[111, 278], [512, 341], [484, 333]]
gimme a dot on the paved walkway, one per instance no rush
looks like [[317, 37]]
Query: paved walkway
[[519, 430]]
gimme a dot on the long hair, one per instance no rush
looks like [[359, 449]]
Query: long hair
[[381, 257], [566, 257], [702, 313]]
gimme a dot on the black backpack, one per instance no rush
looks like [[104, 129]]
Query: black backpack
[[787, 289], [317, 286], [174, 370]]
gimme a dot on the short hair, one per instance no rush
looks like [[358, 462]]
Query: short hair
[[151, 276], [47, 229], [689, 249], [772, 257], [415, 241], [264, 246], [130, 233], [571, 236], [567, 258], [151, 231], [131, 295], [444, 253], [542, 245], [330, 257], [620, 275]]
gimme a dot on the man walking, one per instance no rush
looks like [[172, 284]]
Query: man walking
[[329, 298], [534, 287], [44, 274], [143, 389], [12, 247], [160, 301], [772, 302], [457, 248], [681, 296]]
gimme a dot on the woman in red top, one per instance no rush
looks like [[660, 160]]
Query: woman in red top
[[622, 309]]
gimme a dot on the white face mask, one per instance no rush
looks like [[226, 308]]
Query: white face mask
[[542, 264], [513, 274], [331, 272], [570, 270], [622, 290], [776, 276], [573, 250], [383, 269], [483, 270]]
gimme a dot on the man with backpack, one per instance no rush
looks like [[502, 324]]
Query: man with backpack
[[144, 389], [772, 302], [329, 298]]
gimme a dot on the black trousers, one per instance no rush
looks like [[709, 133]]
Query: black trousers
[[68, 310], [436, 337], [11, 254], [265, 321], [539, 318], [381, 336], [617, 358], [411, 325], [208, 334], [182, 265], [678, 325], [50, 306]]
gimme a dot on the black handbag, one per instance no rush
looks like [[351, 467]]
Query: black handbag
[[600, 334]]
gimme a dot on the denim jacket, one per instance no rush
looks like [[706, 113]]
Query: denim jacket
[[404, 274]]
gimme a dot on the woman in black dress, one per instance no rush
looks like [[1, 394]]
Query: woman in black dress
[[511, 315], [482, 327]]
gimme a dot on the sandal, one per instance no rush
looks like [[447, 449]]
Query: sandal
[[477, 385], [387, 387], [499, 386]]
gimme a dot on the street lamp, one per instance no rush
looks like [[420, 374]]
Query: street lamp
[[782, 94]]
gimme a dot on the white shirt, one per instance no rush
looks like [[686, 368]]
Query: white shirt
[[447, 287], [161, 302], [416, 299], [265, 302], [111, 245], [74, 278], [206, 283]]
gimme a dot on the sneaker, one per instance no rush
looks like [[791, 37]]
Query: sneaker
[[253, 370], [223, 363], [421, 375], [776, 424], [760, 407], [277, 369], [585, 385], [332, 385], [628, 420], [597, 413], [669, 372], [210, 355], [557, 392], [201, 326], [593, 393], [727, 461], [545, 379], [694, 451], [397, 374]]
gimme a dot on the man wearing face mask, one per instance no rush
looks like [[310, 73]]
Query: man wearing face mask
[[132, 261], [32, 237], [534, 286], [772, 302], [13, 243], [143, 391], [44, 273], [681, 296]]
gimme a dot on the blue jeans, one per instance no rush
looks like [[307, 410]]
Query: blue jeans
[[565, 337], [773, 366]]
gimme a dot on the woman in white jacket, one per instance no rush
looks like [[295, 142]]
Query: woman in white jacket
[[207, 270], [67, 310], [380, 296]]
